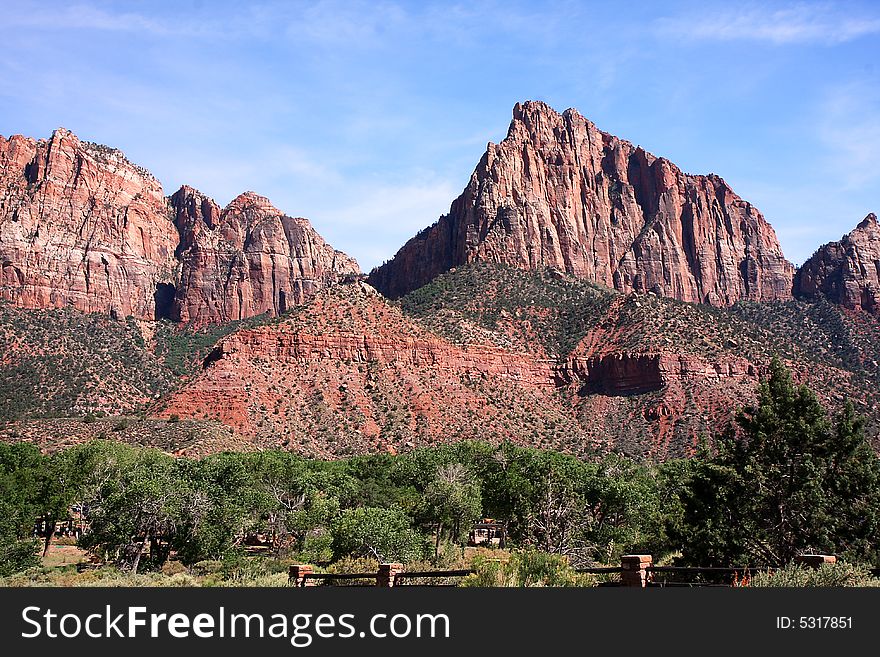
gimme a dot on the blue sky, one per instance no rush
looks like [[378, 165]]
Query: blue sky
[[368, 118]]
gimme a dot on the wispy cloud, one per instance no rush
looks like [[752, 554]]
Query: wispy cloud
[[797, 23], [849, 126], [83, 16], [86, 16]]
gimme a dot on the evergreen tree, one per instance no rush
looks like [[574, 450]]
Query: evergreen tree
[[784, 479]]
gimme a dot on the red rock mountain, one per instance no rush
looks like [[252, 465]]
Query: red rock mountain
[[81, 226], [247, 259], [558, 192], [846, 272], [348, 372]]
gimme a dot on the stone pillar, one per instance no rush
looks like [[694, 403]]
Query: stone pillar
[[814, 560], [388, 574], [635, 569], [297, 573]]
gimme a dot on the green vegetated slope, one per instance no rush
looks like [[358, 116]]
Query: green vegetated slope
[[836, 350], [515, 309], [65, 363], [62, 362]]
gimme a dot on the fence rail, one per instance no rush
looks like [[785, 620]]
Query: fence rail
[[600, 570], [636, 570]]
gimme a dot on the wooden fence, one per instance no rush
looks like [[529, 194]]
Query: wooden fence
[[635, 570]]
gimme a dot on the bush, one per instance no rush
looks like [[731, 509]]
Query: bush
[[317, 548], [827, 575], [526, 569]]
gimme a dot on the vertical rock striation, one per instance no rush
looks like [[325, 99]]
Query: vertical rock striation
[[558, 192], [846, 272], [81, 226], [247, 259]]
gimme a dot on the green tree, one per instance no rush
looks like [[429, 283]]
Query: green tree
[[296, 497], [454, 503], [382, 534], [220, 505], [143, 507], [20, 466], [784, 479]]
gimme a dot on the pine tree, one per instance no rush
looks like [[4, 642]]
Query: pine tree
[[784, 479]]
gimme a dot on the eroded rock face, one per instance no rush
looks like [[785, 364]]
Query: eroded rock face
[[846, 272], [247, 259], [81, 226], [558, 192], [349, 371]]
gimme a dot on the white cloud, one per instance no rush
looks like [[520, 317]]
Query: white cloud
[[797, 23], [849, 126], [82, 16]]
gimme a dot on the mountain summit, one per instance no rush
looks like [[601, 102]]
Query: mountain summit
[[558, 192], [82, 226]]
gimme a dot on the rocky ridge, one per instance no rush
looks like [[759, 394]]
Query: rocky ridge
[[82, 226], [247, 259], [846, 272], [558, 192], [349, 363]]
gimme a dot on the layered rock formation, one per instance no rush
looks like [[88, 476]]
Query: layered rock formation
[[846, 272], [247, 259], [349, 372], [558, 192], [81, 226], [347, 361]]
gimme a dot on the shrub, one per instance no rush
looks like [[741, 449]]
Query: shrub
[[526, 569], [827, 575]]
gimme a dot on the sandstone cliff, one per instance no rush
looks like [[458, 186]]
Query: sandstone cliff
[[846, 272], [247, 259], [81, 226], [558, 192]]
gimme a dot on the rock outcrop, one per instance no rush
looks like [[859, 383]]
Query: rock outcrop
[[558, 192], [846, 272], [81, 226], [248, 259], [348, 371]]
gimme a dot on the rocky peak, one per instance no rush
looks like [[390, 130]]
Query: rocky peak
[[868, 222], [846, 272], [251, 201], [192, 211], [82, 226], [248, 259], [557, 192]]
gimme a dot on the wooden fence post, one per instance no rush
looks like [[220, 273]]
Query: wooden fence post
[[388, 573], [297, 575], [635, 569], [814, 560]]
